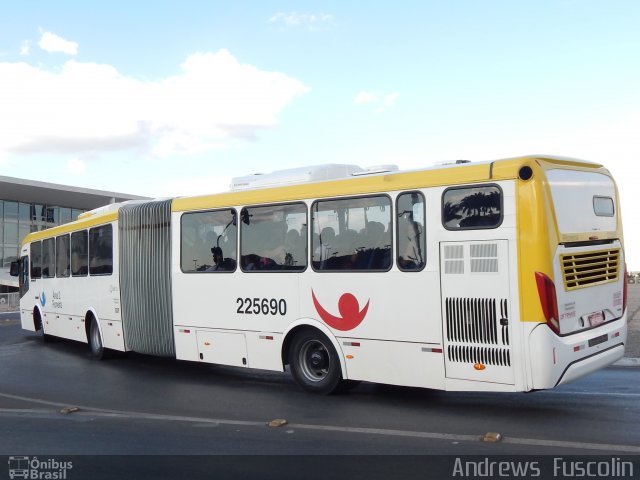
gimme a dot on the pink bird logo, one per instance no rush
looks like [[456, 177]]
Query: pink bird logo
[[349, 308]]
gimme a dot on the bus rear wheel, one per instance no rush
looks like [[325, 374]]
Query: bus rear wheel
[[96, 347], [314, 363]]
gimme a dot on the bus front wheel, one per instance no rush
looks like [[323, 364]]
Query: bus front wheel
[[39, 325], [95, 341], [314, 363]]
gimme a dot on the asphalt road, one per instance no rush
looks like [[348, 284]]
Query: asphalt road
[[139, 405], [633, 318], [135, 404]]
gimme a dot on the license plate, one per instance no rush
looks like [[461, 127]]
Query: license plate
[[595, 319], [598, 340]]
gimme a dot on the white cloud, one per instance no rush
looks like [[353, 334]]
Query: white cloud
[[25, 48], [365, 97], [381, 103], [309, 20], [76, 166], [82, 108], [50, 42], [202, 185], [390, 99], [611, 140]]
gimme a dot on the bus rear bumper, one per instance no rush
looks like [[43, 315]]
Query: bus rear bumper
[[599, 360], [558, 360]]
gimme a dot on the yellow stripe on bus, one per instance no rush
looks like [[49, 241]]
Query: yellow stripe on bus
[[71, 227]]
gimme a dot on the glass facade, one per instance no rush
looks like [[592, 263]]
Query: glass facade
[[17, 219]]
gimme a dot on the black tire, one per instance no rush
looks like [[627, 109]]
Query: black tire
[[39, 325], [98, 352], [314, 362], [346, 385]]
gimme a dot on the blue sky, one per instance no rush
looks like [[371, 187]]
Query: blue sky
[[174, 98]]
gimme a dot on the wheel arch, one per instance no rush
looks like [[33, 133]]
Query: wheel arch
[[311, 324], [90, 316]]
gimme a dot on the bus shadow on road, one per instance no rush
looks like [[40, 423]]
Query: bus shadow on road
[[167, 375]]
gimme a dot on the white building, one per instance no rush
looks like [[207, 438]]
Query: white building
[[28, 206]]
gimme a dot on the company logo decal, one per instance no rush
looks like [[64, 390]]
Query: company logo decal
[[43, 299], [350, 314]]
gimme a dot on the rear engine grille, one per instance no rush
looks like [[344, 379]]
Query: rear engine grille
[[586, 269], [486, 355], [478, 330]]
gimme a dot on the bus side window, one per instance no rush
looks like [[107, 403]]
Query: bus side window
[[49, 258], [352, 234], [476, 207], [101, 250], [208, 241], [410, 231], [36, 260], [274, 238], [80, 253], [63, 268]]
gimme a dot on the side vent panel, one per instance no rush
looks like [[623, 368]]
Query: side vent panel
[[476, 298], [454, 259], [484, 258]]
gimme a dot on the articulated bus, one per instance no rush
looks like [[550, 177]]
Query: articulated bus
[[493, 276]]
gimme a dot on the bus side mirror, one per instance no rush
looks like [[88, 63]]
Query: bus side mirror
[[15, 269]]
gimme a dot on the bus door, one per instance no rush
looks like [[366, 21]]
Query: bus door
[[476, 309], [20, 269]]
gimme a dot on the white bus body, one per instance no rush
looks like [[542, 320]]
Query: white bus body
[[528, 297]]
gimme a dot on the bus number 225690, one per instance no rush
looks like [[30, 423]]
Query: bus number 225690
[[264, 306]]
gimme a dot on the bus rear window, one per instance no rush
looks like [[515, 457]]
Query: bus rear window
[[603, 206]]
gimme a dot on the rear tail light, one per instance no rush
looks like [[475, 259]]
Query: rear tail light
[[548, 301], [624, 290]]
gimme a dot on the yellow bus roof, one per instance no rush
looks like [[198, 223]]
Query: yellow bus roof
[[403, 180], [71, 227]]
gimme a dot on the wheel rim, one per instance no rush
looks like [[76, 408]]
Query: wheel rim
[[314, 360], [96, 344]]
